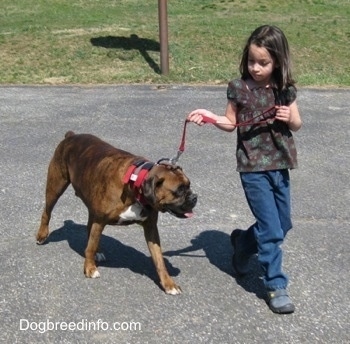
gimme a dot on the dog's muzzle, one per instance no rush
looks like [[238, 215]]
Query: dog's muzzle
[[184, 210]]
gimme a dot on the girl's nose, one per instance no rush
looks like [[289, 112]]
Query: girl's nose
[[255, 67]]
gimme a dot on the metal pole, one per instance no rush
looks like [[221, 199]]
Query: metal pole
[[163, 36]]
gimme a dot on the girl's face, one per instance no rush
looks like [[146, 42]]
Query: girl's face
[[260, 64]]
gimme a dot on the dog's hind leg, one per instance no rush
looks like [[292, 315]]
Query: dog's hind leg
[[99, 256], [57, 183], [153, 242], [91, 252]]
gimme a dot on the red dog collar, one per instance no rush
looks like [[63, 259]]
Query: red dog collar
[[136, 174]]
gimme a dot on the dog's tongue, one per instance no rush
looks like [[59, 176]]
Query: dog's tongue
[[188, 215]]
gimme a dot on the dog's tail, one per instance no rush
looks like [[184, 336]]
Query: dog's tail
[[69, 133]]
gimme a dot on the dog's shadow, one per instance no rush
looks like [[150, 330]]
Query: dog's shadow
[[218, 250], [118, 255]]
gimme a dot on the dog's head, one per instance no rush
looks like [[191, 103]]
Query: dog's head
[[167, 189]]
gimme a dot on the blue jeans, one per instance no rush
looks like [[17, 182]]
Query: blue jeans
[[268, 196]]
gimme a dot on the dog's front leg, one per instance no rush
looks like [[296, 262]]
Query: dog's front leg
[[94, 234], [153, 242]]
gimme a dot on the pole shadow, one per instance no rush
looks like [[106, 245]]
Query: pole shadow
[[218, 250], [118, 255], [134, 42]]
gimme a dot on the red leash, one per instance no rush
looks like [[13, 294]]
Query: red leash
[[212, 121]]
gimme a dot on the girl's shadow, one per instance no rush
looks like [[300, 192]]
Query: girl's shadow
[[217, 248], [118, 255]]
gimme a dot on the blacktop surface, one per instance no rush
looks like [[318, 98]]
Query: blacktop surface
[[45, 297]]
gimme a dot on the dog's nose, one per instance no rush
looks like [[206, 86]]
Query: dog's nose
[[193, 199]]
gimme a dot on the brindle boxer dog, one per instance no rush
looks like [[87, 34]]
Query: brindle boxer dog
[[118, 188]]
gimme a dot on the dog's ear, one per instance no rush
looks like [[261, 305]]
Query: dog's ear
[[149, 187]]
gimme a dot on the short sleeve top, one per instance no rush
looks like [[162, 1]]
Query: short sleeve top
[[262, 146]]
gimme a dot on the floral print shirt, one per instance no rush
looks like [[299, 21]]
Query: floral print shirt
[[262, 146]]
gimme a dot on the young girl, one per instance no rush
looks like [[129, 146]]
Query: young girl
[[262, 106]]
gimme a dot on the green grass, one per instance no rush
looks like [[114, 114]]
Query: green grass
[[108, 42]]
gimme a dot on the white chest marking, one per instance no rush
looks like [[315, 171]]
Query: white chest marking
[[135, 212]]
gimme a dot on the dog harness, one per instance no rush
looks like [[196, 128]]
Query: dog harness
[[136, 174]]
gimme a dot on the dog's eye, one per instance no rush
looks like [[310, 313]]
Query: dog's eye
[[181, 190]]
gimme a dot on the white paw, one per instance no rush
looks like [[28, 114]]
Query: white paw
[[100, 257], [96, 274], [174, 291]]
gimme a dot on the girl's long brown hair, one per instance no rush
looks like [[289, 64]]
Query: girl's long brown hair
[[275, 42]]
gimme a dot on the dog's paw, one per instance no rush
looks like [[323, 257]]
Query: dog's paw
[[100, 257], [92, 273], [41, 241], [95, 274], [41, 236], [175, 290]]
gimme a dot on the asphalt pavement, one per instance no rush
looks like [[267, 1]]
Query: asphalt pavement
[[45, 297]]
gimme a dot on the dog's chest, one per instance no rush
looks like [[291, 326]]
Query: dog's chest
[[135, 212]]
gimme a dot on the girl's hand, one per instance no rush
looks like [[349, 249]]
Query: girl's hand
[[283, 113], [290, 115], [196, 116]]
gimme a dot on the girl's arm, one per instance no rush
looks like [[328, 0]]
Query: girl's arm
[[226, 122], [290, 115]]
